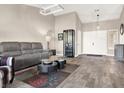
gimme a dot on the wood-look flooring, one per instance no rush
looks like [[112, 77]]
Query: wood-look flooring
[[95, 72]]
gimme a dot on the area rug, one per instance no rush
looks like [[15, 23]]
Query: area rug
[[47, 80]]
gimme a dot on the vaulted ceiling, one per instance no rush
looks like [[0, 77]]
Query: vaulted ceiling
[[86, 12]]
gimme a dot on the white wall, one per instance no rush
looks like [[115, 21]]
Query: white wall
[[104, 25], [63, 22], [24, 23], [68, 21], [79, 36], [121, 37]]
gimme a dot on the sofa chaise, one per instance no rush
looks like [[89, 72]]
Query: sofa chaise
[[26, 54]]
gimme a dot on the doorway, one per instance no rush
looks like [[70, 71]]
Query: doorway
[[95, 42]]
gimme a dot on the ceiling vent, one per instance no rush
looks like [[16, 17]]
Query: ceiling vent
[[48, 9]]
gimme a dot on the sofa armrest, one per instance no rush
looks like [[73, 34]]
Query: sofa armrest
[[8, 61], [1, 78], [5, 75]]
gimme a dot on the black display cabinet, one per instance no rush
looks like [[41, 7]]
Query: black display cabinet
[[69, 43]]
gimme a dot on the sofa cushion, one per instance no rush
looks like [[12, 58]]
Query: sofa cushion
[[31, 57], [26, 47], [9, 46], [27, 51], [11, 53], [36, 45], [26, 60], [19, 63], [37, 50]]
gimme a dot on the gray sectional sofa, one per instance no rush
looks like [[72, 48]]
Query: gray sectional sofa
[[26, 54]]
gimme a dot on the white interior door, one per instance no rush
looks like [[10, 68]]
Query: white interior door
[[95, 42]]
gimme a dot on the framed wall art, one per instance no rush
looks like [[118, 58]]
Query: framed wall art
[[60, 36]]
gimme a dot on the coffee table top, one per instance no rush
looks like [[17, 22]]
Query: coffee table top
[[46, 61]]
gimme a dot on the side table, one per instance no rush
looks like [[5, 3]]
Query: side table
[[61, 63]]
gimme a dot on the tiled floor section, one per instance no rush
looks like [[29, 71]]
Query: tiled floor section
[[98, 72]]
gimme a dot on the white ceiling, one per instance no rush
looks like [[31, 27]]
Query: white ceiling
[[86, 11]]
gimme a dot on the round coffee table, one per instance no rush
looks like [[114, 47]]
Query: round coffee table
[[47, 66]]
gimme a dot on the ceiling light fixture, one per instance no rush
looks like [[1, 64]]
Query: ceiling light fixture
[[97, 14], [51, 9]]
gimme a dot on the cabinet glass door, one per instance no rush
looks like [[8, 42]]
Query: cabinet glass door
[[68, 43]]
